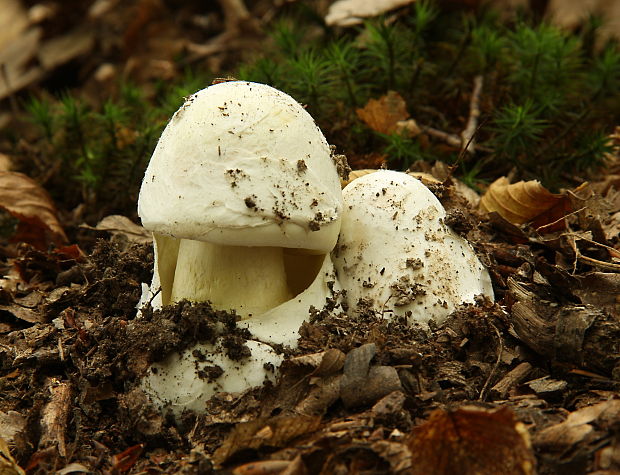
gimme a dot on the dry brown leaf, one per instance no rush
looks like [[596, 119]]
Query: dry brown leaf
[[471, 440], [578, 426], [121, 225], [524, 202], [572, 14], [12, 424], [384, 113], [24, 199], [8, 465], [353, 12], [273, 432], [325, 363]]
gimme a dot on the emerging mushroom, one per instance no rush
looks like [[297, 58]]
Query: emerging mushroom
[[395, 255], [243, 197]]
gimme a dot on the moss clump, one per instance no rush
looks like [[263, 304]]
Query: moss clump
[[547, 105]]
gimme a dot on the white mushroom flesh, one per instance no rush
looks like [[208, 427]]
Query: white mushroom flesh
[[181, 382], [251, 280]]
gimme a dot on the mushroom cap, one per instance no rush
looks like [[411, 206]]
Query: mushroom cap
[[396, 256], [243, 164]]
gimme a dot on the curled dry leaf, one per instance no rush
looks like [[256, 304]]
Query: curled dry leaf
[[524, 202], [471, 440], [24, 199], [383, 114], [352, 12]]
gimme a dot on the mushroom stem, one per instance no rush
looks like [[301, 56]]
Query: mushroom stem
[[251, 280]]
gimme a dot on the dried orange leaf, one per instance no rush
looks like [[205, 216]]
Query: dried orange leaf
[[24, 199], [471, 440], [523, 202], [384, 113], [125, 460]]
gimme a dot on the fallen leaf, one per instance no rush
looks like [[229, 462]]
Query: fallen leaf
[[383, 114], [121, 225], [571, 14], [325, 363], [12, 423], [264, 467], [524, 202], [600, 289], [579, 426], [273, 432], [362, 384], [25, 200], [18, 47], [8, 465], [25, 314], [471, 440], [353, 12], [127, 458], [396, 454], [73, 468]]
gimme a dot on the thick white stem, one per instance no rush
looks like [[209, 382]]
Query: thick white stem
[[250, 280]]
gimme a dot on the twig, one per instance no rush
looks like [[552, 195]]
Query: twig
[[235, 13], [468, 134], [548, 225], [451, 139], [55, 416], [237, 18], [500, 352], [510, 380]]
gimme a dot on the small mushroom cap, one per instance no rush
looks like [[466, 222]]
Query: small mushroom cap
[[243, 164], [397, 257]]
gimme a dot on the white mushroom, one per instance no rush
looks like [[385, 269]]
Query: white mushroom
[[243, 198], [395, 255]]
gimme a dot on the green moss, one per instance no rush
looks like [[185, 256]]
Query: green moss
[[96, 156], [545, 90], [548, 101]]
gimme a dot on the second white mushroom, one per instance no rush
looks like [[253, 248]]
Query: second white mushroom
[[396, 256]]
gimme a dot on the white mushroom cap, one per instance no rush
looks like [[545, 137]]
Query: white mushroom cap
[[243, 164], [395, 254]]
